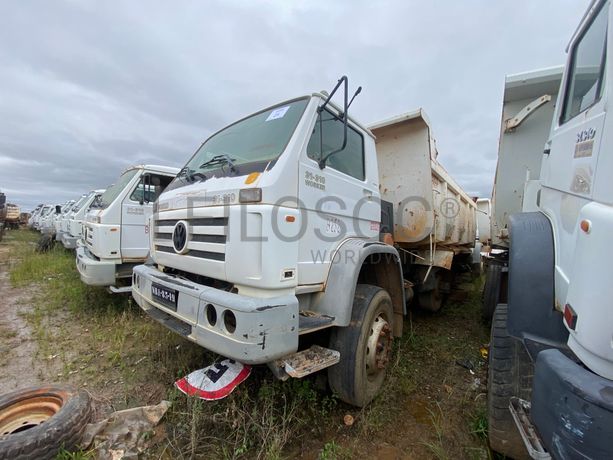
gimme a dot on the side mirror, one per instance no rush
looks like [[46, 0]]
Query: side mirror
[[58, 209], [323, 160]]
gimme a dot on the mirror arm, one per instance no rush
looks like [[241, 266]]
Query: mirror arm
[[343, 79]]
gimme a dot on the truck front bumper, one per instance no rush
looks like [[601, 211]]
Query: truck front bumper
[[93, 271], [69, 241], [248, 329], [572, 408]]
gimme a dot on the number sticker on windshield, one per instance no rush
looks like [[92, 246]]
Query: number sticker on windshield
[[278, 113]]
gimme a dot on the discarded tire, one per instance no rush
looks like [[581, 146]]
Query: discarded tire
[[37, 422], [510, 374], [45, 243]]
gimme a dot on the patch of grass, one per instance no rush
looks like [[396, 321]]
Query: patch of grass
[[479, 424], [77, 455]]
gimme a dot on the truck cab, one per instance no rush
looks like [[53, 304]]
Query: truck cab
[[551, 358], [74, 220], [61, 218], [116, 228], [267, 246]]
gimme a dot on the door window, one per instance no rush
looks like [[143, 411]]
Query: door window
[[329, 128], [584, 86], [150, 187]]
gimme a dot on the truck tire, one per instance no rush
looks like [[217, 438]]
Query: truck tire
[[37, 422], [365, 347], [491, 296], [45, 243], [510, 374], [431, 299]]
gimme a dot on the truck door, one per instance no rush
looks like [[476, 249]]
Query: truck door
[[572, 152], [339, 201], [136, 209]]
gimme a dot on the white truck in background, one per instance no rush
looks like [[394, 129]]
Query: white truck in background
[[75, 219], [116, 229], [61, 220], [277, 229], [550, 383]]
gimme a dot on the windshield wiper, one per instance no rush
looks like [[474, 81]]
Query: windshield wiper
[[222, 158], [190, 174]]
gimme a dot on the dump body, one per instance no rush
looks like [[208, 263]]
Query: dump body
[[426, 200], [520, 150]]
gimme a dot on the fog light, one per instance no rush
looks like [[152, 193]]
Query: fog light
[[211, 314], [229, 321], [250, 195]]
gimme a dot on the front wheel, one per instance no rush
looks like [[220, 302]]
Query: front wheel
[[365, 347]]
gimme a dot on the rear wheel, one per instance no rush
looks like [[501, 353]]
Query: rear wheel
[[365, 347], [431, 299], [494, 290], [509, 374]]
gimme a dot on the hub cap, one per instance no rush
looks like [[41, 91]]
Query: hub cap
[[378, 346]]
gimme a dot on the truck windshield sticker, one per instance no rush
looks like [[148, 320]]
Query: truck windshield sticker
[[278, 113]]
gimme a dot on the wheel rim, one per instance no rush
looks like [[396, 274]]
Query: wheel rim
[[28, 413], [378, 347]]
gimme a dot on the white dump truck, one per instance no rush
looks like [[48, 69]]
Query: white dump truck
[[551, 354], [61, 222], [116, 229], [277, 233], [75, 219]]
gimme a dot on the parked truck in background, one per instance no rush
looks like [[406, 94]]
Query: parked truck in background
[[74, 220], [116, 229], [2, 213], [275, 245], [551, 354], [12, 216]]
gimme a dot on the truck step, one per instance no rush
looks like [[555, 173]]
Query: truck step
[[306, 362], [309, 321], [520, 410], [120, 290]]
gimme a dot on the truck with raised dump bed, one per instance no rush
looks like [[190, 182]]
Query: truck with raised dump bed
[[116, 229], [551, 354], [275, 245], [73, 230]]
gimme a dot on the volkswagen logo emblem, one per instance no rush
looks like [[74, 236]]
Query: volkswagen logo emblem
[[179, 237]]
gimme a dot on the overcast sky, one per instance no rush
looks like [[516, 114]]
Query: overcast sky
[[88, 87]]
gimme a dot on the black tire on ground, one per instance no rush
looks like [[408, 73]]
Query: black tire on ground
[[365, 346], [491, 290], [37, 422], [432, 299], [45, 243], [510, 374]]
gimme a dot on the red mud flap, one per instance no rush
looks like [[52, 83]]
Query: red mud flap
[[215, 381]]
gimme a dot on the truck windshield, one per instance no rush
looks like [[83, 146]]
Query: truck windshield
[[114, 190], [246, 146], [79, 204]]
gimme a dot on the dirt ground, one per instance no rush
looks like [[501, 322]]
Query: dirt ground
[[433, 404]]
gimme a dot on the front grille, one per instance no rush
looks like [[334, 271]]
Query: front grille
[[207, 235]]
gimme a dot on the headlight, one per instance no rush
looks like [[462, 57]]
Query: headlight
[[250, 195]]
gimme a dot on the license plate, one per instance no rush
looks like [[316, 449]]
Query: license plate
[[166, 296]]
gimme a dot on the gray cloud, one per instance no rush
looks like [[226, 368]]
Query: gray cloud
[[87, 88]]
